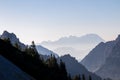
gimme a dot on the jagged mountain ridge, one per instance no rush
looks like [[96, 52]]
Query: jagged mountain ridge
[[14, 39]]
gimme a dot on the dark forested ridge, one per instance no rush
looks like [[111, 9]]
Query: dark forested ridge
[[31, 62]]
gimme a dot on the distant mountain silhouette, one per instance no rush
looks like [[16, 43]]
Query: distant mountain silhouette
[[104, 59], [78, 46], [86, 39]]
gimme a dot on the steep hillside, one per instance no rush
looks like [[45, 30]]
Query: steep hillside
[[96, 58], [8, 71], [104, 59], [111, 67]]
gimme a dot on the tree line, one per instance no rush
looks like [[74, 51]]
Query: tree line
[[32, 63]]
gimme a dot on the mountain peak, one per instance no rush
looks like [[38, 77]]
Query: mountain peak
[[6, 32], [13, 38]]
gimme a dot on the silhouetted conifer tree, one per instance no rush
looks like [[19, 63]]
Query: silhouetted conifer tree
[[52, 62], [90, 78], [77, 77], [83, 77], [69, 77], [17, 46]]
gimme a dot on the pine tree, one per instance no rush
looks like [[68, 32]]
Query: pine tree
[[52, 62], [62, 67], [77, 77], [27, 61], [33, 51], [69, 77], [17, 46], [90, 78], [83, 77], [63, 71]]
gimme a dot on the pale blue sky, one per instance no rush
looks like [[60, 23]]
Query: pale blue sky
[[41, 20]]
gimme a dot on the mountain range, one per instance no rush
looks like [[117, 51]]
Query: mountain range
[[75, 69], [86, 39], [76, 46], [104, 59]]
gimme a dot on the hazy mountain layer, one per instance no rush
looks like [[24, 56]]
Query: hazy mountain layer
[[76, 46]]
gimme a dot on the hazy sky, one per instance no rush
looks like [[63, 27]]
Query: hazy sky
[[40, 20]]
